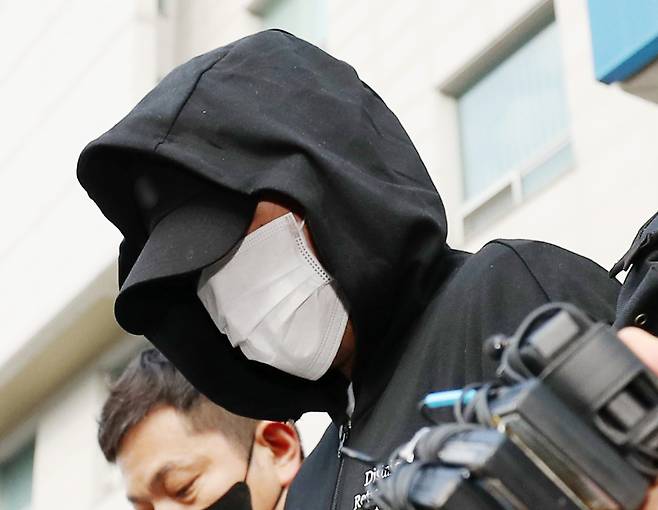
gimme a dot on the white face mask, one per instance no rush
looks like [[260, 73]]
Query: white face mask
[[274, 301]]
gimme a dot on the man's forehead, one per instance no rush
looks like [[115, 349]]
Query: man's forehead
[[161, 436], [166, 437], [147, 463]]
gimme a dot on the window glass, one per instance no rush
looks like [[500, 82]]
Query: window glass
[[16, 480], [515, 118], [304, 18]]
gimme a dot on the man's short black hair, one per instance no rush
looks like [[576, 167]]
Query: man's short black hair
[[151, 381]]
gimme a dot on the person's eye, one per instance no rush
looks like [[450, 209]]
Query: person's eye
[[186, 490]]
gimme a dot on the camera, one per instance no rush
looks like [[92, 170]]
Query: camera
[[457, 467], [571, 422]]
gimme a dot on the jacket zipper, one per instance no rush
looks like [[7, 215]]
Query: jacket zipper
[[343, 435]]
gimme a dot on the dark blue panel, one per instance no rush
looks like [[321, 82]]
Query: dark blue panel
[[624, 37]]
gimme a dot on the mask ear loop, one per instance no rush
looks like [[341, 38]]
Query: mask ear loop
[[251, 453], [300, 231], [278, 498], [300, 226]]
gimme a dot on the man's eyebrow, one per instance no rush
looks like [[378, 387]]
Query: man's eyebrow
[[159, 476], [162, 473], [155, 480]]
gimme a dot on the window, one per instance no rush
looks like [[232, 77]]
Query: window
[[513, 130], [163, 7], [16, 480], [304, 18]]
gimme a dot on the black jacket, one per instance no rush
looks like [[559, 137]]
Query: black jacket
[[488, 292], [271, 114]]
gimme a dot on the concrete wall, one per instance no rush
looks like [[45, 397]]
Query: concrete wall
[[65, 460], [69, 69], [69, 470], [596, 208]]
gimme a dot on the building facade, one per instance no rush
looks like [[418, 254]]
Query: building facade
[[625, 45], [501, 99]]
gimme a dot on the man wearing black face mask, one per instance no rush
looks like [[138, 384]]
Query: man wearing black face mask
[[177, 450], [285, 247]]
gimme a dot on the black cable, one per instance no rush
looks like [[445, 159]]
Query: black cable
[[512, 368]]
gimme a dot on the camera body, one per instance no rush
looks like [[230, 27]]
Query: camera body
[[472, 467], [597, 376], [571, 423]]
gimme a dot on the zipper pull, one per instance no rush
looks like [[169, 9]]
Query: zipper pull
[[343, 435]]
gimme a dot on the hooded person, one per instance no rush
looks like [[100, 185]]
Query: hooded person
[[257, 322]]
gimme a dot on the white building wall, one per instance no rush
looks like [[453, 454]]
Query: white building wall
[[406, 50], [68, 71], [68, 466], [69, 470], [75, 67], [597, 208], [208, 24]]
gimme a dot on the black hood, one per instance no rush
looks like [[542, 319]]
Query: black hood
[[272, 114]]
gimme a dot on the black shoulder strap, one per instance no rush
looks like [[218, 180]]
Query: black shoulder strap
[[637, 304]]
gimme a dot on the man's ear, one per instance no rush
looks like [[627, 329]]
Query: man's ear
[[282, 441]]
